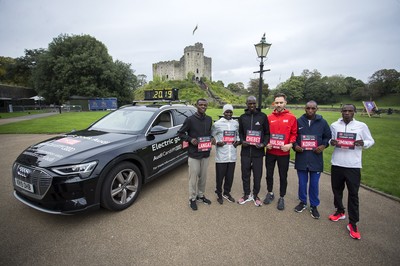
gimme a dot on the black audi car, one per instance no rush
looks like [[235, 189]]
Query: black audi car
[[105, 164]]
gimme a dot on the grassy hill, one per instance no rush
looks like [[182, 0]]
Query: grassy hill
[[190, 91]]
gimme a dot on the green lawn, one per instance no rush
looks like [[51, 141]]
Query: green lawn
[[58, 123], [378, 161]]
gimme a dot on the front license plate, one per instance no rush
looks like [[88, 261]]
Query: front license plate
[[24, 185]]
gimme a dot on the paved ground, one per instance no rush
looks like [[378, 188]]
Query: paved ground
[[161, 229], [27, 117]]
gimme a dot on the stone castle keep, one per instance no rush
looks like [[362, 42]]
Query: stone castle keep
[[192, 61]]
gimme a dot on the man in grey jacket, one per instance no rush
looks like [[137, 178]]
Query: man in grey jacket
[[226, 134]]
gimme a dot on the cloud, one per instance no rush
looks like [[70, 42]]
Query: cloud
[[352, 38]]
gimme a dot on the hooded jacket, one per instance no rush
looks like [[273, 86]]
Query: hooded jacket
[[283, 122], [256, 121], [226, 153], [308, 159]]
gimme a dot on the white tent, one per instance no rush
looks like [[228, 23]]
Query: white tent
[[37, 98]]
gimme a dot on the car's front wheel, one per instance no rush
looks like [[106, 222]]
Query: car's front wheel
[[121, 187]]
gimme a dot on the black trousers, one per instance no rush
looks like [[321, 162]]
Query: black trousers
[[351, 177], [283, 167], [224, 171], [249, 164]]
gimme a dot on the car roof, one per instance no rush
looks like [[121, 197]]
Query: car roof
[[155, 106]]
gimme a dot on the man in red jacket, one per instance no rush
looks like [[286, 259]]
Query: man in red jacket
[[283, 133]]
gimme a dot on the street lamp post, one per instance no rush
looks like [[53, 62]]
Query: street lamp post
[[262, 49]]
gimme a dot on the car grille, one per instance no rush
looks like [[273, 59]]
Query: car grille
[[40, 180]]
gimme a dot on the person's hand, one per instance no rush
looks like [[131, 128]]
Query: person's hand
[[213, 141], [334, 142], [319, 149], [260, 145], [359, 142], [286, 147], [269, 146], [298, 148], [220, 143], [236, 143], [194, 142]]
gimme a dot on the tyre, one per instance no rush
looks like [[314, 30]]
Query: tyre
[[121, 187]]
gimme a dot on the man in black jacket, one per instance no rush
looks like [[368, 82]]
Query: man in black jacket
[[254, 136], [196, 131]]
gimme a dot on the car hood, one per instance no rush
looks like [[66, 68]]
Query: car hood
[[73, 148]]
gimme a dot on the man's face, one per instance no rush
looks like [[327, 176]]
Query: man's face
[[201, 107], [280, 104], [311, 110], [228, 114], [251, 105], [348, 113]]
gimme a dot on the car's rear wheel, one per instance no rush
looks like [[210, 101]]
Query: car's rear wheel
[[121, 187]]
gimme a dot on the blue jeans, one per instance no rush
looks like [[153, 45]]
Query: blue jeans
[[313, 189]]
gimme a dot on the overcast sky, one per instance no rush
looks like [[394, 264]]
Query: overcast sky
[[348, 37]]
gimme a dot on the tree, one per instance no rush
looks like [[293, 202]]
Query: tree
[[317, 88], [5, 63], [293, 89], [142, 80], [19, 71], [353, 84], [253, 88], [383, 82], [123, 81], [237, 88], [80, 65], [337, 85]]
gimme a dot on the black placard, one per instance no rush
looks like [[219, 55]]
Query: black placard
[[162, 94]]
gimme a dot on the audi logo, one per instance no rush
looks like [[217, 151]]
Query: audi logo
[[23, 171]]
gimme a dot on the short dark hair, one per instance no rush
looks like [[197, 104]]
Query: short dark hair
[[201, 99], [354, 107], [312, 101], [280, 94], [251, 98]]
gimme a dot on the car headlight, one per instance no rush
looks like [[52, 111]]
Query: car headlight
[[83, 170]]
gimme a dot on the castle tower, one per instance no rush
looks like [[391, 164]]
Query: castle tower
[[193, 61]]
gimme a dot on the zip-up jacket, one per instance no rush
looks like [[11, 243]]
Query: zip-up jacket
[[318, 127], [226, 153], [255, 121], [350, 158], [283, 122], [196, 126]]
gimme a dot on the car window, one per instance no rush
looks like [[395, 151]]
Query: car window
[[124, 120], [164, 119], [181, 115]]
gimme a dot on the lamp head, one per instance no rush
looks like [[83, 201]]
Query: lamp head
[[262, 47]]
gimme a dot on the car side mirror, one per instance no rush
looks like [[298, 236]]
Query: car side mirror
[[158, 130]]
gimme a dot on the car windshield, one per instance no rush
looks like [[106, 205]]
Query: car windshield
[[124, 121]]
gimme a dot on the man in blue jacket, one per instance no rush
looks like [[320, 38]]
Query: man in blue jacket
[[313, 137]]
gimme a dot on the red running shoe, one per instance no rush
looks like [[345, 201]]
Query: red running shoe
[[337, 216], [353, 231]]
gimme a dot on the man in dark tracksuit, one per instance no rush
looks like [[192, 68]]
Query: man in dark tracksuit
[[313, 137], [196, 130], [254, 135]]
